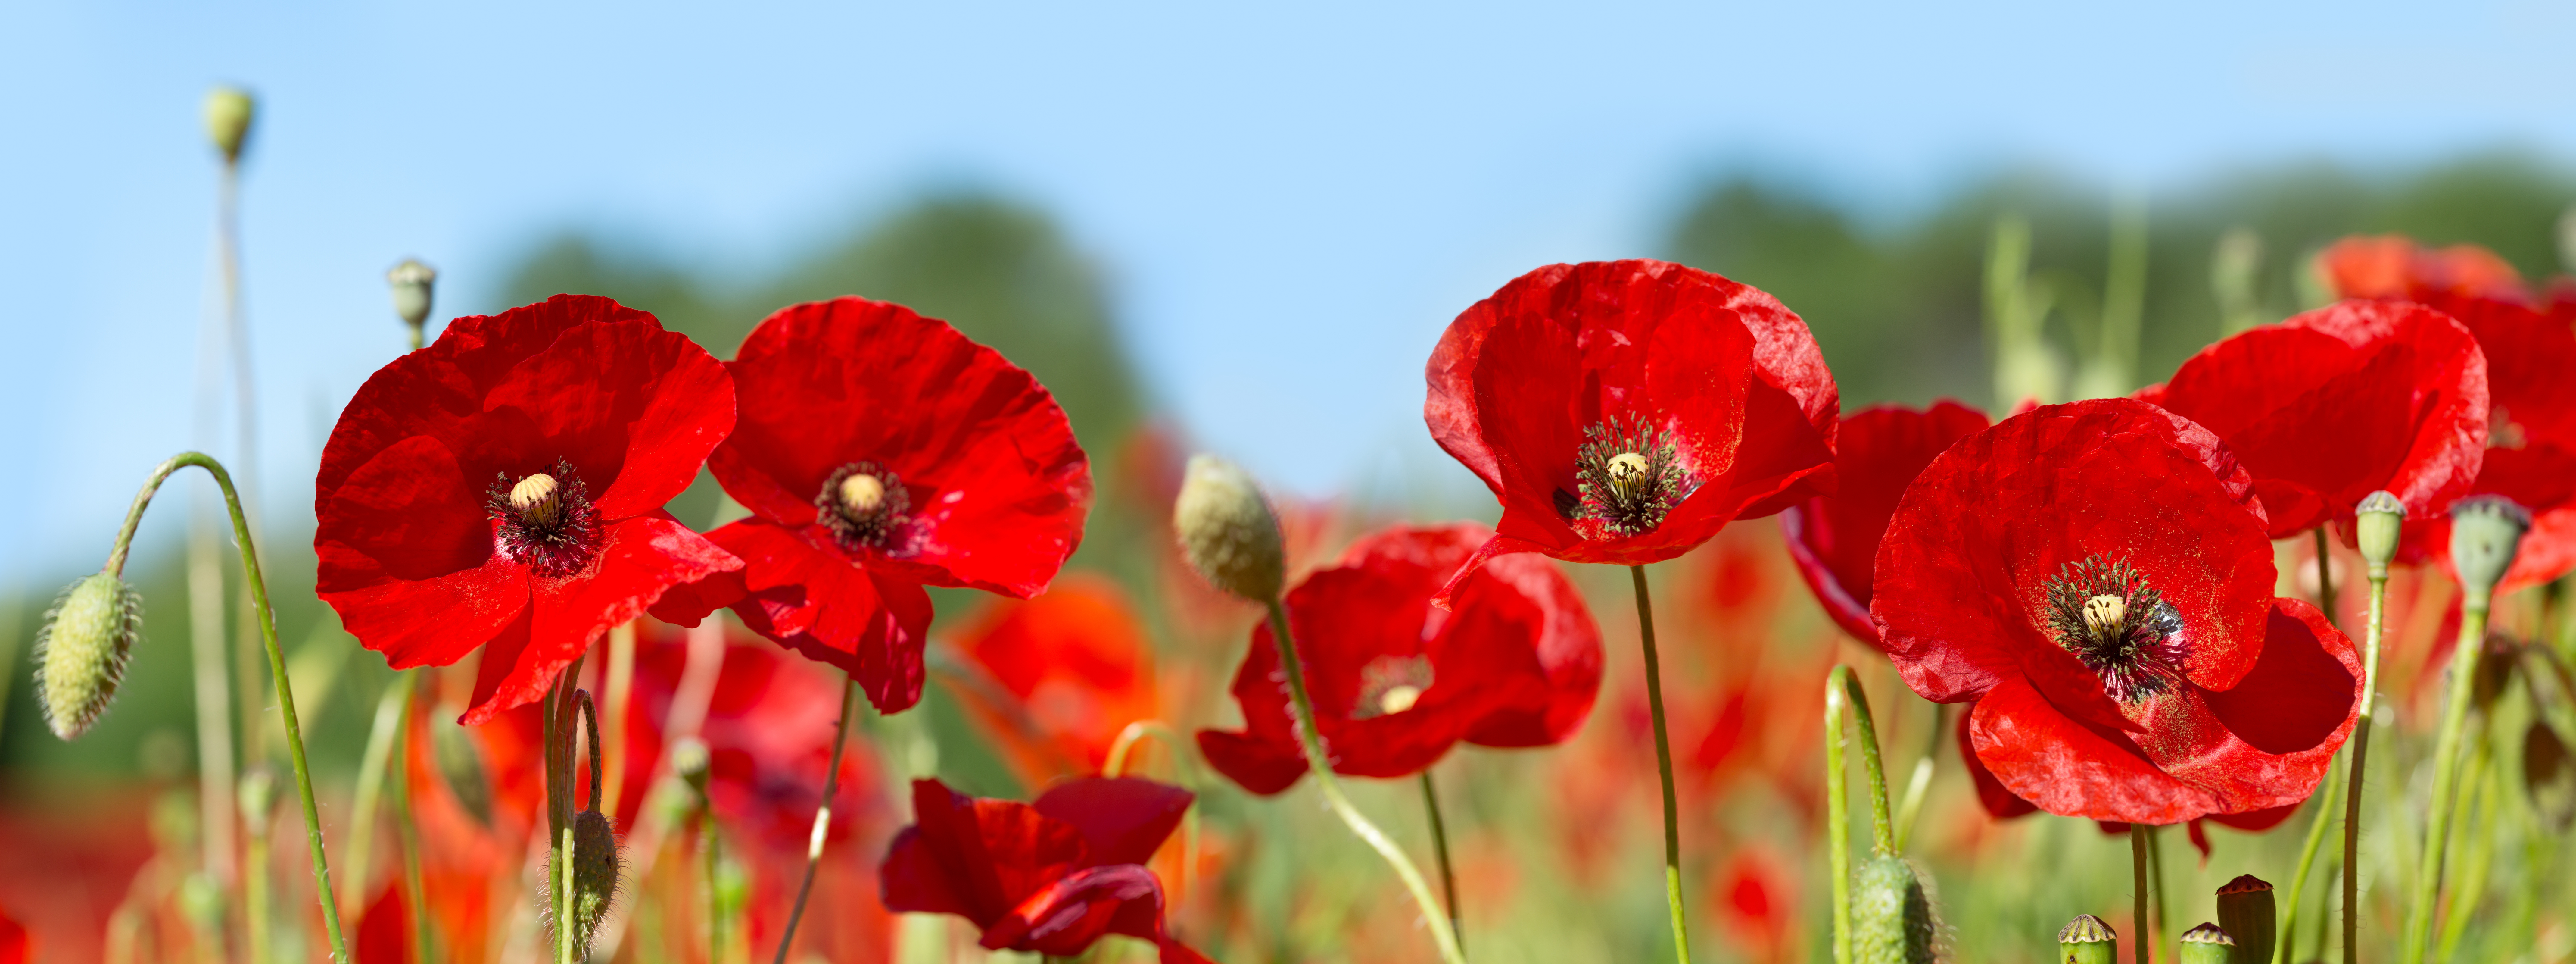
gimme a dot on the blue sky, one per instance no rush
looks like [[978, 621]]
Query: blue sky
[[1291, 200]]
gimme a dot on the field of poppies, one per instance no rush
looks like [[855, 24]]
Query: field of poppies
[[848, 643]]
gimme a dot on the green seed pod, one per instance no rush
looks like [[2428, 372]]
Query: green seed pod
[[82, 650], [2245, 908], [596, 865], [2377, 522], [1228, 531], [2207, 944], [413, 284], [228, 116], [2088, 940], [2486, 533], [1892, 918]]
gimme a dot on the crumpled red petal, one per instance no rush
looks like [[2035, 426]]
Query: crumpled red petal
[[641, 558], [817, 602], [1834, 539]]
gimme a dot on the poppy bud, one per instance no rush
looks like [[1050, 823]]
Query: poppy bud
[[2375, 528], [228, 116], [2088, 940], [2207, 944], [2486, 532], [1228, 530], [1892, 921], [412, 283], [2245, 907], [596, 864], [82, 650]]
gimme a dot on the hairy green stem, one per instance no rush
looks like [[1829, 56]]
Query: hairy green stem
[[2446, 767], [2359, 763], [2307, 861], [1663, 766], [1842, 688], [822, 814], [1331, 787], [1440, 847], [276, 660]]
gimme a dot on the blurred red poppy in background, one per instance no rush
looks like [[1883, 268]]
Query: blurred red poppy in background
[[1514, 662], [1834, 538], [1051, 876], [1624, 411], [502, 489], [1072, 668], [2337, 403], [879, 451], [2096, 577], [2531, 425]]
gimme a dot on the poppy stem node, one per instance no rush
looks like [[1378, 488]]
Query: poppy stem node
[[2088, 940]]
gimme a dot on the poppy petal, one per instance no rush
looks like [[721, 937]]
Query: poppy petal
[[815, 601], [2067, 767], [1123, 819], [1069, 913], [640, 559]]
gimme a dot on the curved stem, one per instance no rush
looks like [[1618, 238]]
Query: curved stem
[[822, 814], [1919, 785], [1331, 787], [2360, 762], [2446, 773], [1440, 846], [1663, 766], [2138, 892], [590, 728], [2307, 861], [1183, 771]]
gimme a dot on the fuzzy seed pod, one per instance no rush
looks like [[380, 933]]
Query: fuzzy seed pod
[[596, 864], [1228, 530], [2486, 533], [2207, 944], [2088, 940], [2245, 909], [2377, 521], [1892, 919], [228, 116], [82, 650]]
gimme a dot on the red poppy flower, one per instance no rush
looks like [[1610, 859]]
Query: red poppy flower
[[2096, 577], [1067, 672], [2337, 403], [1397, 681], [1625, 411], [2531, 425], [1050, 877], [502, 490], [879, 451], [1834, 538]]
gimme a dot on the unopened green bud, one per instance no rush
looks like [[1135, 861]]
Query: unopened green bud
[[2207, 944], [82, 650], [596, 865], [1228, 531], [1892, 918], [2088, 940], [2246, 909], [2375, 526], [413, 284], [2486, 532], [228, 117]]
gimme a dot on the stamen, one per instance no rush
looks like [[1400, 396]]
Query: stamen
[[545, 520], [863, 503], [1391, 685], [2104, 613], [1627, 479]]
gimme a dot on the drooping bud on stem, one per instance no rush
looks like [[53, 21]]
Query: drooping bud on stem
[[1228, 530], [1892, 917], [82, 651], [413, 284], [596, 866], [2376, 524], [2088, 940], [2207, 944], [2246, 911], [2486, 533], [228, 116]]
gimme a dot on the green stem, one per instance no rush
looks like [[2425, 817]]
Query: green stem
[[1837, 817], [1663, 766], [1920, 784], [2446, 767], [2360, 763], [708, 857], [256, 942], [2138, 893], [2156, 886], [1331, 787], [822, 814], [2481, 842], [276, 662], [2307, 861], [1440, 846], [2325, 578], [373, 764]]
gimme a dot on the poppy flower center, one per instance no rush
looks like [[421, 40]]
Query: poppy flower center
[[2105, 614], [1628, 479], [861, 503], [1391, 685], [545, 520]]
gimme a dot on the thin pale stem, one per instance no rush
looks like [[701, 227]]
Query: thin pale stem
[[2360, 763], [2156, 885], [373, 764], [276, 660], [2446, 774], [2138, 893], [2325, 577], [1182, 772], [256, 941], [822, 814], [1837, 817], [1331, 787], [2481, 843], [620, 686], [1663, 766], [2307, 862], [1440, 847], [1920, 784]]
